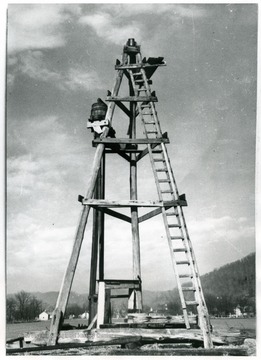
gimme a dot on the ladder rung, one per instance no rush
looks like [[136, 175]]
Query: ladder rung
[[185, 276], [177, 238], [167, 191], [164, 181], [151, 132], [171, 214], [180, 250], [174, 225], [162, 170], [185, 262], [191, 302], [137, 73], [157, 160], [158, 151], [188, 288], [145, 105], [141, 89]]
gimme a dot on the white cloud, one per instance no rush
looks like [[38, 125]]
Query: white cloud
[[105, 25], [127, 10], [225, 228], [80, 79], [34, 64], [38, 26]]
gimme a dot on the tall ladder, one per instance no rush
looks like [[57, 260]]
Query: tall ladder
[[180, 246]]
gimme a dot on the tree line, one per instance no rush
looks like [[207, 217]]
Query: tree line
[[23, 306]]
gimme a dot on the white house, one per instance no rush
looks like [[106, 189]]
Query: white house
[[44, 316], [85, 315], [238, 311]]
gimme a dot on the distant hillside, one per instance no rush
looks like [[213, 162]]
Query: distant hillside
[[230, 286], [224, 288], [237, 278]]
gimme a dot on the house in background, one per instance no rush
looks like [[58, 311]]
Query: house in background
[[85, 315], [238, 311], [44, 316]]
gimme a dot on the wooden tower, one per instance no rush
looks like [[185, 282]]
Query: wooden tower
[[138, 72]]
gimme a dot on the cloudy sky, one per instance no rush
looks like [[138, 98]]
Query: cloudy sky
[[60, 60]]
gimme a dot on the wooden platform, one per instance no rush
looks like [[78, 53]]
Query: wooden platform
[[132, 341], [108, 334]]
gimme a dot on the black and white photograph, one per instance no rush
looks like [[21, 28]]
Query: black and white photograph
[[130, 179]]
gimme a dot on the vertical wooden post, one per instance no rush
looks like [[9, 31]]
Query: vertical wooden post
[[134, 196], [107, 310], [94, 258], [101, 304], [97, 243], [101, 195]]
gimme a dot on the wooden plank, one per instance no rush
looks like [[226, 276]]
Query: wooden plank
[[120, 296], [137, 66], [124, 286], [136, 264], [124, 151], [11, 341], [179, 352], [169, 334], [185, 351], [172, 335], [101, 304], [118, 341], [114, 214], [90, 326], [101, 193], [122, 203], [107, 308], [132, 98], [93, 264], [130, 141], [131, 203]]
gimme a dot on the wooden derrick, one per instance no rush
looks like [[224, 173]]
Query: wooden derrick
[[141, 100]]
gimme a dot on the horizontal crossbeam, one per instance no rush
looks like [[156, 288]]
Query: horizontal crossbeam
[[132, 203], [122, 284], [132, 98], [137, 66], [130, 141]]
